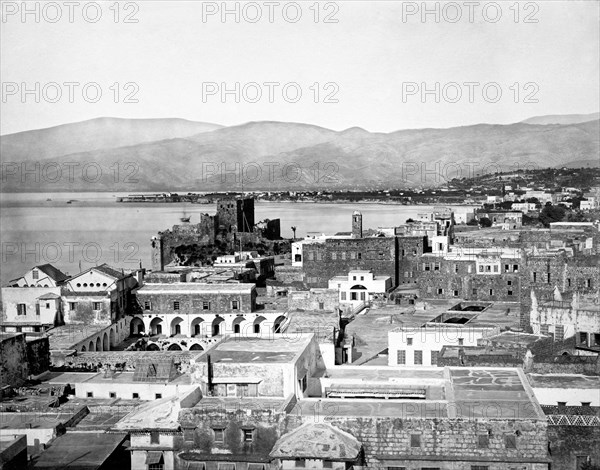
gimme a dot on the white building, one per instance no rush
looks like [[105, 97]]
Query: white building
[[360, 286], [565, 389], [420, 346]]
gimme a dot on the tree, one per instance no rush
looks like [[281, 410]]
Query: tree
[[473, 222], [485, 222], [551, 214]]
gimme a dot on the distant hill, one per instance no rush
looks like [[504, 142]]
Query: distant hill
[[210, 160], [94, 134], [562, 119]]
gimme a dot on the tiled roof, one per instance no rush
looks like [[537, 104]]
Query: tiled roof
[[52, 272]]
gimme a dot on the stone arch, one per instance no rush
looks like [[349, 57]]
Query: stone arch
[[217, 326], [196, 326], [98, 344], [236, 325], [105, 343], [257, 324], [156, 326], [174, 347], [176, 326], [83, 348], [279, 321], [136, 327], [112, 338], [152, 347], [91, 346], [196, 347]]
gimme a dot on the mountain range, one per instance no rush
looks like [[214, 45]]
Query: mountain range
[[135, 155]]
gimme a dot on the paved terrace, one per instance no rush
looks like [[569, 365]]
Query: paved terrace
[[283, 349], [470, 393], [371, 329]]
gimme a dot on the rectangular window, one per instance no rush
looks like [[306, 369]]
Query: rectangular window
[[334, 256], [544, 329], [112, 394], [461, 341], [583, 337], [418, 357], [483, 440], [319, 256], [176, 305], [436, 266], [440, 291], [510, 441], [343, 295], [509, 283], [47, 304], [506, 268], [491, 291], [135, 395], [480, 268], [415, 440], [147, 305], [474, 291], [559, 332], [515, 268], [359, 255], [434, 358], [327, 464], [409, 341], [469, 268], [300, 463], [157, 396], [495, 269], [455, 268], [534, 276], [97, 305], [188, 435], [248, 435], [205, 305], [90, 394], [234, 304], [343, 255], [509, 292], [401, 357], [548, 278], [36, 274], [219, 435], [72, 305], [589, 283], [455, 293], [154, 437], [37, 309]]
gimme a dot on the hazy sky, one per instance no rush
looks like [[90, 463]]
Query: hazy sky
[[367, 58]]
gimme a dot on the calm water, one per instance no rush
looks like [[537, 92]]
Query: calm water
[[94, 229]]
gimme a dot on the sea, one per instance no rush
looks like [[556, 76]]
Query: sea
[[75, 231]]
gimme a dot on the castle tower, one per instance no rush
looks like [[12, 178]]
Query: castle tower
[[157, 253], [357, 225]]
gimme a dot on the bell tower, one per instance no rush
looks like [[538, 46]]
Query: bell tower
[[357, 225]]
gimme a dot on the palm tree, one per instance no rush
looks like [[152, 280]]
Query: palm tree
[[294, 230]]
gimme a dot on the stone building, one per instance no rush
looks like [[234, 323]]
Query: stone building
[[232, 225], [98, 295], [32, 302], [203, 310], [565, 319]]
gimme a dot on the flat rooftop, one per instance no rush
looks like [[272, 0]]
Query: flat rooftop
[[65, 336], [195, 287], [276, 349], [452, 392], [570, 381]]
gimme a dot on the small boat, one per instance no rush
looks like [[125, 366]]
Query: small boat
[[47, 200], [185, 217]]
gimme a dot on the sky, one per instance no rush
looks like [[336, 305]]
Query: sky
[[382, 66]]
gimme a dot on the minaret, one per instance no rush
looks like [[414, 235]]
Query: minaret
[[357, 225]]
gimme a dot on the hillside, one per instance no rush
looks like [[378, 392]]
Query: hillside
[[353, 158], [562, 119], [94, 134]]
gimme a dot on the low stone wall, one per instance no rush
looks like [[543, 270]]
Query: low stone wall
[[125, 360]]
